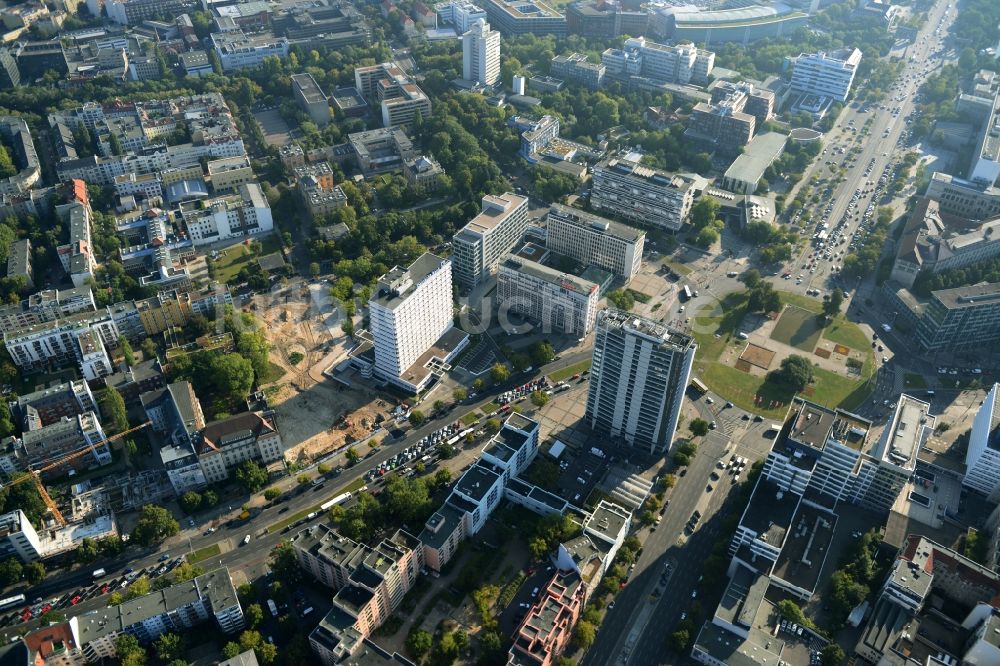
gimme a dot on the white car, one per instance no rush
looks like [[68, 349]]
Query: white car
[[246, 539]]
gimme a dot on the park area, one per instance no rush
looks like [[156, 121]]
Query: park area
[[737, 350]]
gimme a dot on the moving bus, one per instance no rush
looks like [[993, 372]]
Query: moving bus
[[685, 293], [697, 386], [10, 602], [343, 497]]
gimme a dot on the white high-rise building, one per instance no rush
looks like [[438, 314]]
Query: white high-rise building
[[411, 322], [481, 54], [639, 374], [826, 74], [982, 460], [479, 246]]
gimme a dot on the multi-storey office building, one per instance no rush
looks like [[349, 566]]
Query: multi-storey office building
[[549, 298], [605, 19], [63, 341], [18, 537], [311, 98], [826, 74], [624, 187], [577, 67], [982, 459], [41, 408], [523, 17], [239, 51], [244, 213], [959, 318], [680, 63], [593, 240], [637, 381], [65, 436], [955, 196], [479, 246], [47, 305], [461, 14], [387, 86]]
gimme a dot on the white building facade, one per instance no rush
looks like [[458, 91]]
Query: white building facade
[[480, 245], [590, 239], [638, 377], [481, 54], [982, 460], [826, 74]]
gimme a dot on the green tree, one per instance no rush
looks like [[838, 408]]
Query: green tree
[[313, 269], [148, 348], [126, 351], [680, 640], [796, 372], [272, 494], [130, 653], [831, 306], [417, 418], [352, 455], [253, 614], [251, 475], [439, 405], [583, 635], [209, 498], [541, 353], [499, 373], [34, 572], [539, 398], [442, 477], [6, 420], [698, 427], [479, 384], [154, 525], [418, 643], [169, 646], [230, 650], [186, 571], [190, 501], [704, 211], [459, 394], [113, 409], [11, 571], [492, 425], [831, 654], [7, 167]]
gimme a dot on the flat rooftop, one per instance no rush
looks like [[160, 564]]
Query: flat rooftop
[[910, 426], [588, 222], [806, 547], [534, 269], [646, 327], [758, 155], [477, 481], [496, 209], [984, 293], [769, 513], [742, 597], [394, 286]]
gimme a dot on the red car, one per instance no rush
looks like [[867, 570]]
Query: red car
[[75, 600], [105, 588], [25, 615], [46, 608]]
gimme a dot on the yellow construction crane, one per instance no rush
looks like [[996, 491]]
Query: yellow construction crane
[[36, 474]]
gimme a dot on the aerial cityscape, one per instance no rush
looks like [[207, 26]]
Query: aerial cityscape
[[500, 332]]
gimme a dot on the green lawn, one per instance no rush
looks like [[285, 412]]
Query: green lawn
[[797, 327], [231, 262], [843, 332], [913, 380], [274, 373], [724, 319], [490, 408], [805, 302], [470, 419], [569, 371], [204, 553]]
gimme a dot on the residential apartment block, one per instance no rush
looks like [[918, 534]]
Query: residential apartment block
[[17, 136], [18, 538], [412, 324], [228, 173], [245, 213], [77, 339], [624, 187], [732, 118], [479, 246], [639, 374], [388, 87], [67, 435], [47, 305], [19, 262], [546, 297], [548, 625], [826, 74], [370, 583], [593, 240], [34, 410], [176, 608], [481, 54]]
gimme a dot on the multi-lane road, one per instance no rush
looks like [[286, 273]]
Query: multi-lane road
[[253, 557]]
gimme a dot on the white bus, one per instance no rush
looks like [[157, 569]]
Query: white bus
[[10, 602]]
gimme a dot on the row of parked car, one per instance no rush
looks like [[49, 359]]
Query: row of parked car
[[521, 391]]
